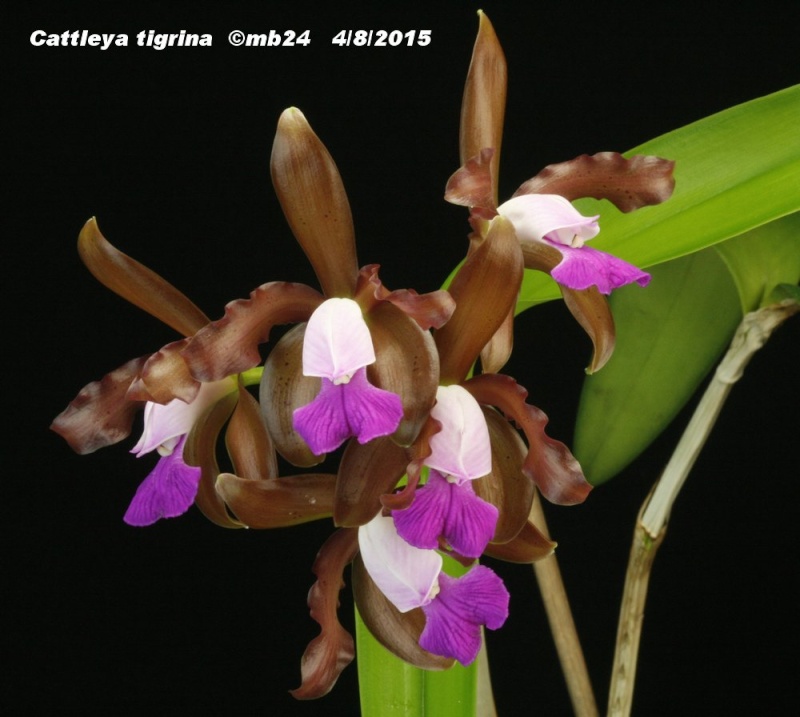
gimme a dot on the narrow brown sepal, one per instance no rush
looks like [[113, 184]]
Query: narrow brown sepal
[[137, 284], [471, 184], [278, 502], [248, 443], [314, 201], [485, 290], [201, 450]]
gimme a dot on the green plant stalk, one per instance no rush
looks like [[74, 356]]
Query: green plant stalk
[[752, 333], [562, 626]]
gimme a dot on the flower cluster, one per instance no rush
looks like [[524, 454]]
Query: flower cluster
[[433, 461]]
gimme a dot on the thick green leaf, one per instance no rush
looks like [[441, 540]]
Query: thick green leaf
[[762, 259], [668, 338], [390, 687], [735, 170]]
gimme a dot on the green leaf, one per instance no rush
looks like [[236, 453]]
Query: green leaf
[[735, 170], [763, 259], [390, 687], [671, 334], [668, 338]]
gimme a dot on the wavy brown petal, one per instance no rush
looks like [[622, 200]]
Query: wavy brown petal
[[230, 345], [201, 450], [506, 487], [101, 414], [406, 364], [137, 284], [431, 310], [165, 376], [248, 443], [627, 183], [484, 102], [485, 290], [397, 631], [284, 389], [278, 502], [366, 472], [332, 650], [471, 184], [589, 307], [314, 201], [549, 463]]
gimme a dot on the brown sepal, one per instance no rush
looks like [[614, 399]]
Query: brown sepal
[[314, 201], [485, 290], [591, 310], [471, 184], [484, 103], [230, 345], [278, 502], [589, 307], [101, 414], [284, 389], [248, 443], [201, 450], [549, 463], [506, 487], [628, 183], [431, 310], [366, 472], [136, 283], [497, 351], [397, 631], [333, 649], [527, 547]]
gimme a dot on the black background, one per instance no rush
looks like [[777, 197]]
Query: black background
[[170, 151]]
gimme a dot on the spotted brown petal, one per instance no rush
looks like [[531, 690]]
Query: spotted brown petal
[[484, 102], [201, 450], [431, 310], [278, 502], [397, 632], [248, 443], [589, 307], [627, 183], [165, 376], [506, 487], [366, 472], [283, 390], [101, 414], [314, 201], [549, 462], [332, 650], [230, 345], [136, 283], [406, 364], [485, 290], [471, 185]]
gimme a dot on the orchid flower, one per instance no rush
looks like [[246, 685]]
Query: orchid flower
[[103, 412], [551, 232], [455, 608]]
